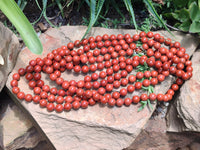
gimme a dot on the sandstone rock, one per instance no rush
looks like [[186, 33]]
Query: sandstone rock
[[17, 130], [97, 127], [13, 117], [194, 146], [1, 138], [187, 104], [9, 50], [155, 137], [29, 139]]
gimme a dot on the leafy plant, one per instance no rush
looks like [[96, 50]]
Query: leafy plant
[[106, 22], [150, 23], [187, 15], [155, 14], [43, 13], [22, 4], [19, 20], [60, 3], [129, 7], [149, 89], [96, 7], [142, 68]]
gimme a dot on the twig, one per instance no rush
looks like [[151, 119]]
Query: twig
[[172, 27]]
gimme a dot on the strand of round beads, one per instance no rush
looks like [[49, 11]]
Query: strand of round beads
[[110, 61]]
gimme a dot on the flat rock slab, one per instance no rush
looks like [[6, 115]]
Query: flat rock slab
[[17, 130], [9, 50], [186, 109], [155, 137], [97, 127]]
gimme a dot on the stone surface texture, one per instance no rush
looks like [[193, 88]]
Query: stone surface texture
[[14, 124], [186, 108], [9, 50], [97, 127], [16, 129], [155, 137]]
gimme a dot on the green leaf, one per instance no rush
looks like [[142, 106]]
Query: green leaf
[[190, 2], [195, 27], [115, 5], [149, 104], [92, 17], [23, 26], [145, 65], [181, 15], [175, 15], [155, 14], [143, 104], [107, 7], [44, 3], [199, 3], [129, 7], [138, 43], [58, 2], [71, 1], [194, 12], [142, 68], [80, 5], [185, 26], [180, 3], [38, 5], [168, 15], [94, 14], [99, 7], [141, 108], [145, 88], [22, 4], [177, 25], [88, 3], [151, 89], [140, 80], [138, 54]]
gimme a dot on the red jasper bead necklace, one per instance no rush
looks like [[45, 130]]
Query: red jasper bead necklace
[[113, 57]]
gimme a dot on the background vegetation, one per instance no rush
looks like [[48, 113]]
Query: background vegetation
[[146, 15]]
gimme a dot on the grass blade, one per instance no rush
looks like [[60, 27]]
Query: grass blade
[[149, 104], [38, 4], [70, 3], [23, 26], [99, 7], [44, 3], [129, 7], [92, 17], [60, 7], [88, 3], [155, 14], [80, 5], [22, 4], [107, 7], [143, 104], [93, 14], [117, 9], [43, 13]]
